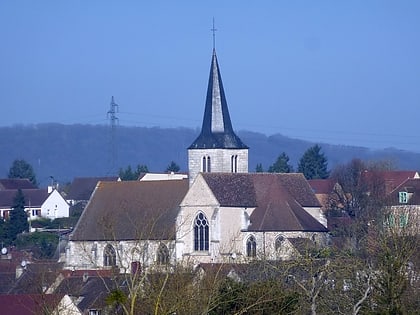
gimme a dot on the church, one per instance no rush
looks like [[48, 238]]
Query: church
[[221, 213]]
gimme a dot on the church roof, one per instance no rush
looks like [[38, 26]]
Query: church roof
[[131, 210], [216, 131], [278, 199]]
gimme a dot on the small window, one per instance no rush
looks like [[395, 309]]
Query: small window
[[251, 247], [279, 242], [234, 164], [163, 255], [403, 219], [94, 312], [403, 197]]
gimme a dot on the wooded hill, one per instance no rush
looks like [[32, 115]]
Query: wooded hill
[[68, 151]]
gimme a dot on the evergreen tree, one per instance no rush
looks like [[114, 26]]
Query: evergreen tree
[[128, 174], [22, 169], [281, 165], [173, 167], [313, 164], [18, 221], [259, 168]]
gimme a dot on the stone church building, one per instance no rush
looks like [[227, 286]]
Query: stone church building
[[221, 213]]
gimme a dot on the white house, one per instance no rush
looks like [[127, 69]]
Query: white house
[[55, 206]]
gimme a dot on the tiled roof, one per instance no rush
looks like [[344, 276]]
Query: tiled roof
[[89, 289], [238, 190], [36, 277], [33, 197], [322, 186], [278, 199], [411, 186], [16, 183], [82, 187], [29, 304], [131, 210], [216, 131], [391, 179]]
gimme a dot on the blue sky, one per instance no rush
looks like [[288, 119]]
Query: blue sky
[[340, 72]]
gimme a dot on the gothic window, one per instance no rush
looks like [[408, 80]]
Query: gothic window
[[251, 247], [201, 233], [279, 242], [110, 257], [234, 163], [163, 255]]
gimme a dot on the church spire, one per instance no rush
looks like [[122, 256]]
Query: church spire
[[216, 131]]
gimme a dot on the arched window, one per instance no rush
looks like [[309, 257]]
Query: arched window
[[234, 163], [110, 257], [279, 242], [201, 233], [163, 255], [206, 165], [251, 247]]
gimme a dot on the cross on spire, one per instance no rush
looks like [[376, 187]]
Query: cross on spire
[[214, 35]]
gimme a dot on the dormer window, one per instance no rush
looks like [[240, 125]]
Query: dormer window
[[403, 197]]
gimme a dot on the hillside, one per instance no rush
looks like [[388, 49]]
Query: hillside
[[68, 151]]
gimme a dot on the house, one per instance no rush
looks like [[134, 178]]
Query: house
[[325, 191], [38, 203], [404, 206], [387, 180]]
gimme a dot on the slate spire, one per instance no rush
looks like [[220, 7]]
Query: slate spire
[[216, 131]]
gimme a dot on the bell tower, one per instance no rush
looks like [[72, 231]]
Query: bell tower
[[217, 148]]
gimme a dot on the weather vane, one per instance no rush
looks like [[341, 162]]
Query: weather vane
[[214, 35]]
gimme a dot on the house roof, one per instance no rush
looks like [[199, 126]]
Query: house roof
[[33, 197], [322, 186], [36, 277], [278, 199], [216, 131], [29, 304], [391, 179], [16, 183], [131, 210], [89, 288], [82, 187], [412, 186]]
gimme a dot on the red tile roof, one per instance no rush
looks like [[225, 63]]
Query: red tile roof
[[29, 304], [322, 186]]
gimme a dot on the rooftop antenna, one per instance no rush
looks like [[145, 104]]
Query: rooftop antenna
[[214, 35], [113, 119]]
